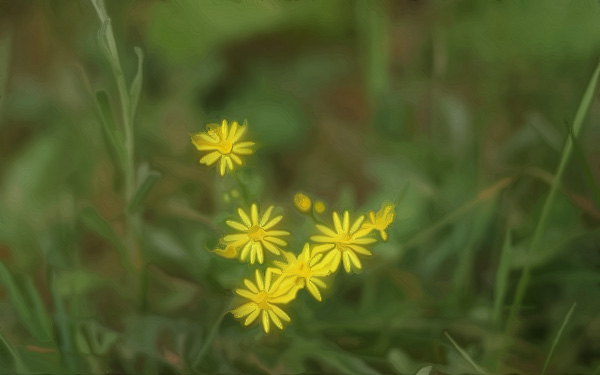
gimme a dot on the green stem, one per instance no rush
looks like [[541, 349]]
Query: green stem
[[210, 338], [556, 182], [134, 224]]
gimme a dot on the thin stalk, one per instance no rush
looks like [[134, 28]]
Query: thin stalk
[[556, 182], [243, 188], [210, 338], [557, 338], [465, 355]]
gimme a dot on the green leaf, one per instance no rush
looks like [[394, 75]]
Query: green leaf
[[39, 313], [136, 85], [21, 306], [112, 134], [148, 178]]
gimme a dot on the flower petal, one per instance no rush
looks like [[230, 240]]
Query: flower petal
[[244, 310], [312, 288], [238, 134], [235, 237], [229, 163], [275, 240], [347, 265], [322, 248], [244, 217], [252, 317], [224, 129], [265, 321], [325, 239], [259, 253], [360, 250], [243, 145], [346, 224], [280, 313], [209, 159], [236, 159], [254, 214], [357, 224], [233, 129], [272, 233], [245, 293], [275, 319], [236, 225], [259, 281], [245, 251], [354, 259], [272, 248], [242, 151], [326, 230], [337, 223], [250, 285], [272, 223], [266, 216], [222, 167]]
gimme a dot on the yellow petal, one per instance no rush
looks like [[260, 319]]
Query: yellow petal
[[326, 230], [347, 265], [280, 313], [224, 129], [275, 240], [314, 290], [228, 162], [259, 253], [250, 285], [238, 134], [272, 248], [272, 223], [246, 251], [242, 151], [266, 216], [277, 233], [245, 293], [233, 130], [244, 310], [252, 317], [354, 259], [357, 224], [243, 145], [236, 225], [259, 281], [254, 214], [346, 225], [265, 321], [244, 217], [236, 159], [222, 167], [209, 159], [275, 319], [337, 223]]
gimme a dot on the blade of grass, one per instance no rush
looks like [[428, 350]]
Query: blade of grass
[[556, 182], [20, 366], [143, 189], [557, 338], [465, 355], [501, 283], [64, 330]]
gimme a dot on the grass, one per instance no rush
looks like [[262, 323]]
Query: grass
[[451, 110]]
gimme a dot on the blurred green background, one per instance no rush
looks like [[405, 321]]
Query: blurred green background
[[459, 108]]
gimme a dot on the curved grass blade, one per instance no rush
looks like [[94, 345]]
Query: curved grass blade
[[557, 338], [465, 355]]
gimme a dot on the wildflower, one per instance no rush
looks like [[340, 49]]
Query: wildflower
[[381, 220], [223, 142], [229, 252], [343, 243], [257, 234], [302, 202], [305, 270], [319, 207], [264, 297]]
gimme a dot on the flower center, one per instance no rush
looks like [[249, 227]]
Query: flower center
[[303, 270], [261, 300], [224, 147], [256, 233]]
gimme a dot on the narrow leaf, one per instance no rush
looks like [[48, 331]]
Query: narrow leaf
[[502, 278], [136, 85], [557, 338], [465, 355]]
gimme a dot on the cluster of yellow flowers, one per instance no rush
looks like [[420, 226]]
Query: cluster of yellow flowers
[[344, 242]]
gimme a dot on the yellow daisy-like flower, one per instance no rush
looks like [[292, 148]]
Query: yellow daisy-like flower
[[305, 270], [257, 234], [343, 242], [381, 220], [223, 142], [302, 202], [264, 297]]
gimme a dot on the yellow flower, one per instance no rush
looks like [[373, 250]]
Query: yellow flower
[[304, 270], [381, 220], [319, 207], [256, 234], [343, 242], [222, 141], [229, 252], [264, 297], [302, 202]]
